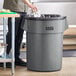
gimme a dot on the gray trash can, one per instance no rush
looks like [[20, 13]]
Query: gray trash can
[[45, 42]]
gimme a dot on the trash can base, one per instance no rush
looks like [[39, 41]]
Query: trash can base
[[44, 70]]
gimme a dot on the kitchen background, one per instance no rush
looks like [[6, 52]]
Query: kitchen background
[[62, 7]]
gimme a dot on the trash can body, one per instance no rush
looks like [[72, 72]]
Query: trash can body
[[45, 43], [44, 52]]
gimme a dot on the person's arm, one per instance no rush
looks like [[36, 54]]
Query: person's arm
[[34, 8]]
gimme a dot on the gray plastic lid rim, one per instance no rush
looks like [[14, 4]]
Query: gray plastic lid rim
[[46, 17]]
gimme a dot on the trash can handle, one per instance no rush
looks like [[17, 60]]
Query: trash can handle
[[66, 24]]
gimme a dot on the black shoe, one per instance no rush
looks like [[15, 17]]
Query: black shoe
[[8, 65], [19, 62], [1, 64]]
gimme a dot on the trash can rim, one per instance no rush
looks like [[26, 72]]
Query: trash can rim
[[46, 17]]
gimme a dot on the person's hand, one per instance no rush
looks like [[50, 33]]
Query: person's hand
[[34, 8]]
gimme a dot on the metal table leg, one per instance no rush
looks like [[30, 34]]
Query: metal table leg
[[4, 38], [13, 45], [13, 42]]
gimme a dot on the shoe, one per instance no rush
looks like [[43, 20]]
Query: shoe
[[1, 64], [8, 65], [19, 62]]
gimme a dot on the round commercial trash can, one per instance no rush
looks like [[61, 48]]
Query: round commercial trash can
[[45, 42]]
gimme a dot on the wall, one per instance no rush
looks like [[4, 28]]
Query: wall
[[64, 8], [53, 0]]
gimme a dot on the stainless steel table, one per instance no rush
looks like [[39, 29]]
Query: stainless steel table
[[5, 16]]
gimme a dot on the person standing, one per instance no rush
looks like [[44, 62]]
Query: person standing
[[19, 7]]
